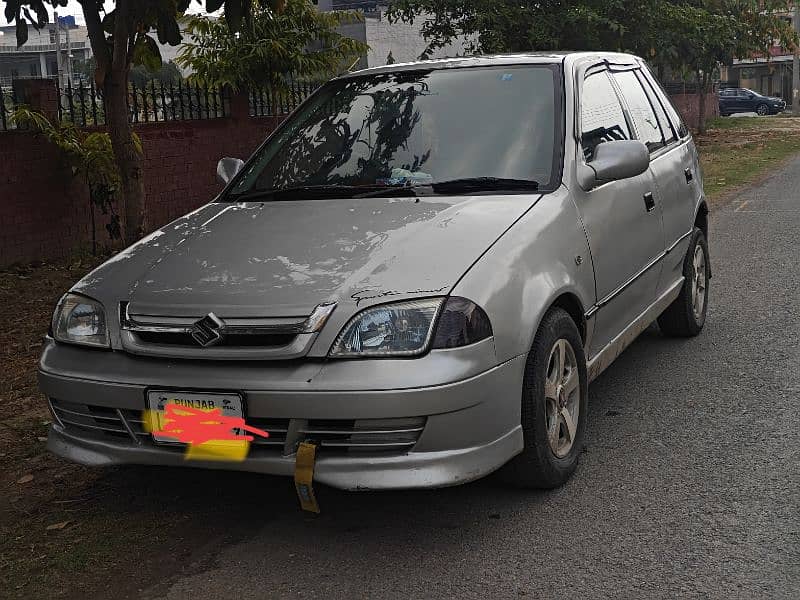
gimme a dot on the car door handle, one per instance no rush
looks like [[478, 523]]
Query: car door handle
[[649, 201], [689, 175]]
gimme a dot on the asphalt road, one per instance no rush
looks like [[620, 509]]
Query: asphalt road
[[689, 486]]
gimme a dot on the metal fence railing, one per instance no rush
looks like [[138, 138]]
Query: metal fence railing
[[8, 102], [84, 105], [266, 102], [687, 87]]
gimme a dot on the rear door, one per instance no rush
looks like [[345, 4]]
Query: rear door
[[670, 163], [679, 179], [621, 218]]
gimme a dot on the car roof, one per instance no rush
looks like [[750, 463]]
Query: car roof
[[527, 58]]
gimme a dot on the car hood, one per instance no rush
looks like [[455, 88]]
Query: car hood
[[283, 258]]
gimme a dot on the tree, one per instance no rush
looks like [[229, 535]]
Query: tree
[[90, 156], [683, 35], [497, 26], [121, 38], [697, 38], [299, 40], [167, 73]]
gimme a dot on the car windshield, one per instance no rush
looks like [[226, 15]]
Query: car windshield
[[482, 127]]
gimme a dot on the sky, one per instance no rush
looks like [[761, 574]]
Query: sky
[[74, 8]]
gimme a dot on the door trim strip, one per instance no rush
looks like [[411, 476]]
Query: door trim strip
[[601, 361], [601, 303]]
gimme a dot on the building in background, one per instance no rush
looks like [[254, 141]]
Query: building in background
[[403, 41], [770, 75], [38, 57]]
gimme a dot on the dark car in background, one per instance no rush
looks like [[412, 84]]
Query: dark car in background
[[741, 100]]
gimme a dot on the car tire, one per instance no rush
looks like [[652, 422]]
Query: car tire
[[555, 363], [686, 315], [762, 110]]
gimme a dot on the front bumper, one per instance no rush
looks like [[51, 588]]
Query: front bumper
[[471, 416]]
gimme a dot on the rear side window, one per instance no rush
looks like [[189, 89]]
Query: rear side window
[[663, 121], [642, 114], [602, 119], [672, 113]]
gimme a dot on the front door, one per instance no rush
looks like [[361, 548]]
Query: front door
[[622, 219]]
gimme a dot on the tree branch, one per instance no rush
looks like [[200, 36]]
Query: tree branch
[[97, 38], [120, 58]]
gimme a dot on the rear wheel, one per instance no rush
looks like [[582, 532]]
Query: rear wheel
[[686, 316], [554, 406]]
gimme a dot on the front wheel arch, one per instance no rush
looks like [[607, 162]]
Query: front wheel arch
[[570, 303]]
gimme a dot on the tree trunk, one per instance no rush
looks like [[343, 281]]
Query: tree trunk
[[113, 65], [128, 159], [701, 109]]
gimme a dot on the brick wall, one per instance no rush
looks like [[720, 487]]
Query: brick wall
[[689, 107], [44, 211]]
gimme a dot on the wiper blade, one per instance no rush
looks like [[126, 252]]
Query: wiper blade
[[469, 184], [311, 191]]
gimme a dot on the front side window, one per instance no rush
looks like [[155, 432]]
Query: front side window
[[666, 127], [670, 109], [602, 119], [644, 119], [415, 128]]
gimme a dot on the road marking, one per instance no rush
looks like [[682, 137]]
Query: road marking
[[770, 210]]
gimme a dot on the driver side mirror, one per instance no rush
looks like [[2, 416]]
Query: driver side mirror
[[227, 168], [614, 160]]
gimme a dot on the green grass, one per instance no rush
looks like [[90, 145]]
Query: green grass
[[735, 152]]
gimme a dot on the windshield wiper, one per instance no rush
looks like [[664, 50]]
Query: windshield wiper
[[456, 186], [484, 184], [452, 186], [305, 191]]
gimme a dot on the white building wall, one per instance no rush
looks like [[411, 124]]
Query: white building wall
[[404, 40]]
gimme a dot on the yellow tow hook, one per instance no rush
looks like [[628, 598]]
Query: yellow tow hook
[[304, 476]]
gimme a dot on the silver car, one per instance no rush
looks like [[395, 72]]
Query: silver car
[[418, 273]]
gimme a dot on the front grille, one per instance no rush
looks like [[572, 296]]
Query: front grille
[[96, 421], [230, 340], [222, 337], [364, 435], [333, 436]]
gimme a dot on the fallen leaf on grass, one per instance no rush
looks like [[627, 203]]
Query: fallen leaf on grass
[[60, 525], [25, 478]]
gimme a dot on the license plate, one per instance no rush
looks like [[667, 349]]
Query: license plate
[[230, 403]]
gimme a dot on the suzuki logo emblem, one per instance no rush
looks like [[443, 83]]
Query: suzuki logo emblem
[[208, 330]]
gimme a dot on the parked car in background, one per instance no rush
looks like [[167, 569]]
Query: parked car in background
[[418, 273], [743, 100]]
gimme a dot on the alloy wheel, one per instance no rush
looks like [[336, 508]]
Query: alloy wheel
[[698, 282], [562, 398], [762, 109]]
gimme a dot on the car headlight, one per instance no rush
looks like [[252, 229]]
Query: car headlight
[[407, 328], [80, 320]]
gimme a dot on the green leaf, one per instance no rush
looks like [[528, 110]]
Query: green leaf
[[12, 10], [234, 11], [168, 30], [146, 52], [22, 31], [41, 13]]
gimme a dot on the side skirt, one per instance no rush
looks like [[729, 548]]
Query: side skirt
[[601, 361]]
